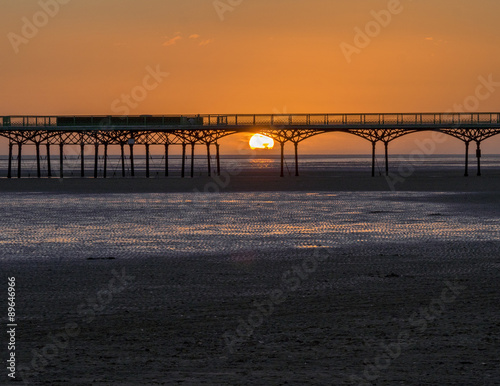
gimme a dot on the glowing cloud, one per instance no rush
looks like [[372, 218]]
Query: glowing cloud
[[172, 41]]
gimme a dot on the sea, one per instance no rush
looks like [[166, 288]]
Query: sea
[[248, 164]]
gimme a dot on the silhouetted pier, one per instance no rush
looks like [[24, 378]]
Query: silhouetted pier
[[188, 131]]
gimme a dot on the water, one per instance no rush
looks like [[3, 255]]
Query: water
[[271, 164], [62, 226]]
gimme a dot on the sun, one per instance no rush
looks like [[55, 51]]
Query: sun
[[259, 141]]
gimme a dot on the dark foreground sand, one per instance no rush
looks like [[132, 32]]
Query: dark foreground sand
[[397, 314]]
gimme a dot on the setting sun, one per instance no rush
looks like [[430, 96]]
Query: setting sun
[[259, 141]]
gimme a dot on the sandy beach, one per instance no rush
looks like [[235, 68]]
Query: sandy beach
[[393, 312]]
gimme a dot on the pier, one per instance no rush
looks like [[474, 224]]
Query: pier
[[188, 131]]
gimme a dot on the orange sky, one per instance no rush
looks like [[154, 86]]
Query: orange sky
[[260, 56]]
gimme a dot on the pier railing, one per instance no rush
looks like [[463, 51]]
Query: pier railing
[[246, 120], [353, 119]]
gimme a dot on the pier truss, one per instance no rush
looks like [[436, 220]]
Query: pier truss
[[100, 132]]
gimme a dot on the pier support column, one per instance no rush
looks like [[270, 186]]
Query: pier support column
[[38, 167], [132, 168], [82, 160], [122, 150], [208, 161], [9, 170], [282, 174], [467, 143], [61, 160], [19, 153], [105, 171], [386, 158], [478, 156], [217, 148], [96, 159], [192, 160], [374, 148], [296, 144], [147, 160], [166, 160], [49, 168], [183, 160]]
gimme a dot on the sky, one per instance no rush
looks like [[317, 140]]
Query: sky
[[252, 56]]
